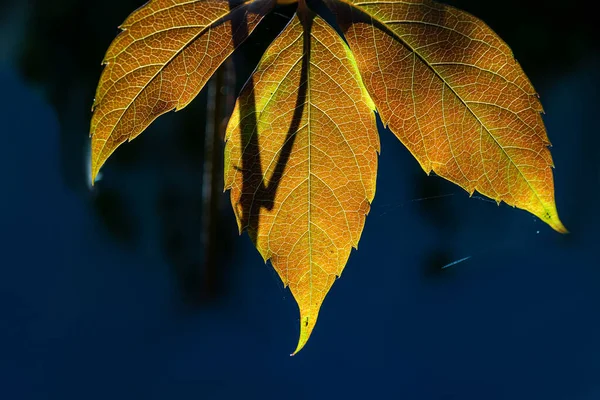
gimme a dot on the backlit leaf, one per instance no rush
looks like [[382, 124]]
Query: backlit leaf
[[165, 55], [453, 93], [301, 144], [301, 160]]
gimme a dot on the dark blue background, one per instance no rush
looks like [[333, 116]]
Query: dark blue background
[[94, 305]]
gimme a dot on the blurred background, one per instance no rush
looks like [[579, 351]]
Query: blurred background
[[140, 287]]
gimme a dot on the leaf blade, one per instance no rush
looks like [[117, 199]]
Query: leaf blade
[[472, 117], [180, 42], [302, 182]]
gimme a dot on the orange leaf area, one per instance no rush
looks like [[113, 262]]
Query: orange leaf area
[[301, 160], [165, 55], [453, 93]]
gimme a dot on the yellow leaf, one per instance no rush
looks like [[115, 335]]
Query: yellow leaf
[[165, 55], [302, 143], [301, 159], [452, 92]]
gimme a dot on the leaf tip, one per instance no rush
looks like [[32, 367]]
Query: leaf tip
[[94, 170], [307, 324], [300, 346], [92, 167], [550, 216], [557, 225]]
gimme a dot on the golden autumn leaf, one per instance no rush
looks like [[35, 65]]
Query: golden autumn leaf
[[302, 179], [453, 93], [165, 55], [302, 143]]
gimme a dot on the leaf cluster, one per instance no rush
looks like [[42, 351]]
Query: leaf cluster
[[302, 142]]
